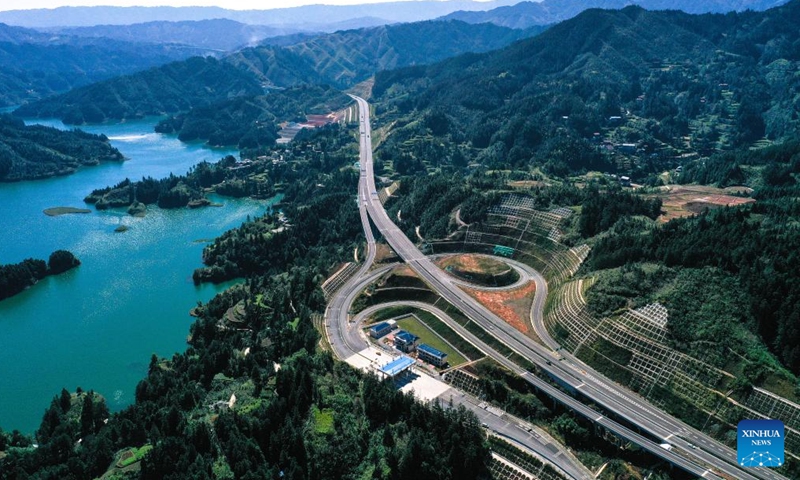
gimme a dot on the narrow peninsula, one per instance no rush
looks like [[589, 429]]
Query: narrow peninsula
[[33, 152]]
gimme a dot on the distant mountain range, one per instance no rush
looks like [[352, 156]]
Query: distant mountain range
[[310, 17], [35, 64], [339, 59], [218, 34], [527, 14]]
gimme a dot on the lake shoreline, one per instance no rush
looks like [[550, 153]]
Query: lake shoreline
[[130, 297]]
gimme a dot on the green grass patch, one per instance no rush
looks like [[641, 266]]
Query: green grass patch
[[391, 295], [593, 357], [449, 335], [323, 420], [260, 300], [390, 312], [133, 455], [427, 336], [617, 354], [294, 323], [250, 407]]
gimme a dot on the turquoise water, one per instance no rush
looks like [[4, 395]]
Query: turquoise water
[[97, 325]]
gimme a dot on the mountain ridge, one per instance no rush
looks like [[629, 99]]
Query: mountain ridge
[[34, 65], [219, 34], [526, 14], [341, 60]]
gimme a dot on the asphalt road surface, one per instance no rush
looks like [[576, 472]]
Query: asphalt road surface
[[604, 392]]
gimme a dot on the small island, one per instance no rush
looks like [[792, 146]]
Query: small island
[[14, 278], [171, 192], [58, 211]]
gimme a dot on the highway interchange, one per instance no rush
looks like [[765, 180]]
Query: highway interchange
[[694, 452]]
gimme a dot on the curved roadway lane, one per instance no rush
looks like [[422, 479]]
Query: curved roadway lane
[[526, 274], [514, 430], [347, 340], [601, 390]]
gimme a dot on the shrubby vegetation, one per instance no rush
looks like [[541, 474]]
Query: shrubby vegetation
[[606, 90], [773, 166], [16, 277], [757, 245], [33, 152], [645, 78], [251, 122], [427, 201], [601, 210], [169, 192], [318, 194], [310, 163]]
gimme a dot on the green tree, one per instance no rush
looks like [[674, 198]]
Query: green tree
[[61, 261], [65, 400], [87, 415]]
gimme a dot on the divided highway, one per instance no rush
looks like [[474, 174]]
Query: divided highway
[[593, 385]]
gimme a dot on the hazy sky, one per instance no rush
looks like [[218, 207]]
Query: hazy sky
[[232, 4]]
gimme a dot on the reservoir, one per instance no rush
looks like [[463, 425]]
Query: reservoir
[[96, 326]]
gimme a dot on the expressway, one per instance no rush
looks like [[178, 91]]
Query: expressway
[[551, 391], [345, 339], [591, 384], [523, 434]]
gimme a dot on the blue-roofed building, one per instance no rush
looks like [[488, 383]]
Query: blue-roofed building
[[431, 355], [405, 342], [398, 366], [379, 330]]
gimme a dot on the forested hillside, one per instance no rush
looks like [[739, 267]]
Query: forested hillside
[[174, 87], [340, 59], [665, 83], [217, 34], [31, 152], [345, 58], [250, 122], [546, 12], [752, 249], [34, 65]]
